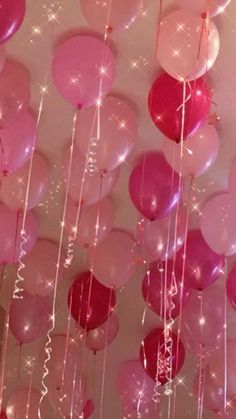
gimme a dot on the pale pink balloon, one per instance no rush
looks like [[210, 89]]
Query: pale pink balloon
[[14, 186], [23, 403], [41, 267], [232, 179], [11, 238], [213, 394], [188, 45], [17, 143], [117, 134], [95, 222], [218, 225], [85, 186], [83, 70], [2, 58], [213, 7], [109, 17], [200, 152], [98, 339], [113, 261]]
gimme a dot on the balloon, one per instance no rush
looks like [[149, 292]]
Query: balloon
[[202, 265], [149, 412], [98, 339], [14, 92], [218, 225], [155, 356], [203, 320], [90, 302], [113, 261], [14, 186], [90, 187], [199, 152], [188, 45], [213, 7], [110, 17], [163, 290], [95, 222], [10, 234], [12, 13], [2, 58], [232, 179], [40, 267], [213, 394], [29, 317], [153, 187], [166, 106], [116, 138], [83, 70], [17, 143], [23, 403], [230, 414], [88, 409], [231, 287]]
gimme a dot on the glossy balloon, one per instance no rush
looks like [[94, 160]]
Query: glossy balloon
[[12, 13], [23, 403], [213, 394], [213, 7], [99, 338]]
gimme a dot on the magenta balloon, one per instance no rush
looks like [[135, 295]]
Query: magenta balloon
[[95, 222], [153, 187], [213, 394], [90, 187], [213, 7], [202, 265], [23, 403], [98, 339], [113, 261], [199, 152], [231, 287], [117, 136], [10, 234], [83, 70], [12, 13], [218, 225], [29, 317]]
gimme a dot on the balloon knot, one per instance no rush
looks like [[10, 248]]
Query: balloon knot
[[79, 106]]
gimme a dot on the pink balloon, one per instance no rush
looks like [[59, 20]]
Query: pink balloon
[[10, 234], [2, 58], [153, 187], [152, 411], [182, 35], [14, 186], [113, 261], [40, 268], [218, 225], [230, 414], [11, 18], [199, 152], [90, 187], [83, 70], [117, 135], [29, 317], [231, 287], [213, 7], [95, 222], [232, 179], [98, 339], [17, 143], [213, 394], [110, 17], [88, 409], [23, 403]]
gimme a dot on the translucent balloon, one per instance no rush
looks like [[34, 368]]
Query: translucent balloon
[[23, 403], [213, 7], [98, 339], [188, 45], [200, 152], [213, 394], [11, 17], [83, 70]]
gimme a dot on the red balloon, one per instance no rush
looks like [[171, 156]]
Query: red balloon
[[153, 186], [202, 264], [231, 287], [156, 359], [165, 106], [90, 302], [12, 13]]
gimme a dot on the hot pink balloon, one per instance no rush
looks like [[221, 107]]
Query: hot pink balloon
[[29, 317], [83, 70], [10, 234], [14, 186], [98, 339], [89, 187], [12, 13], [23, 403], [117, 134], [213, 394], [213, 7], [199, 152], [95, 222], [218, 225], [113, 261]]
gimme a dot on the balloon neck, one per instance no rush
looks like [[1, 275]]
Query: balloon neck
[[79, 106]]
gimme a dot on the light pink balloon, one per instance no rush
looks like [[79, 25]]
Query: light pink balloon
[[95, 222], [17, 142], [218, 225], [199, 152], [213, 394], [213, 7], [2, 58], [83, 70], [10, 234], [23, 403], [98, 339], [14, 186], [40, 268], [181, 37], [113, 261], [91, 187]]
